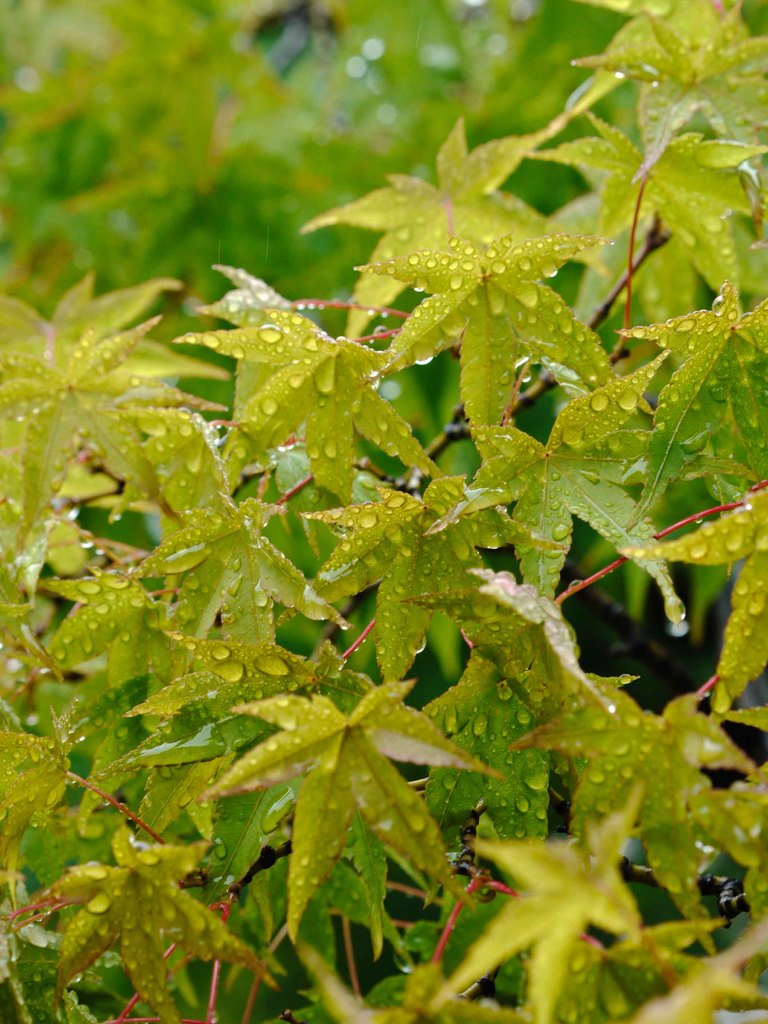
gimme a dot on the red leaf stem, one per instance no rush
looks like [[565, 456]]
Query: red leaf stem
[[120, 806], [294, 490], [210, 1017], [706, 687], [351, 650], [574, 588]]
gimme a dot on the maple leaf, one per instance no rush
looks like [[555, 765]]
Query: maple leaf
[[230, 567], [325, 383], [182, 449], [580, 471], [565, 892], [111, 611], [349, 770], [716, 984], [390, 539], [723, 360], [247, 305], [694, 186], [484, 716], [741, 534], [33, 771], [418, 998], [695, 59], [83, 396], [608, 984], [140, 901], [524, 634], [414, 214], [626, 746], [492, 301]]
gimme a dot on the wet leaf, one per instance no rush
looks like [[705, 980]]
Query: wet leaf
[[349, 770], [740, 534], [492, 301], [140, 902]]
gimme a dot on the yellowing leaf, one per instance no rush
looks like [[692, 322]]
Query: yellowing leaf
[[140, 901], [565, 892], [624, 747], [414, 214], [349, 769]]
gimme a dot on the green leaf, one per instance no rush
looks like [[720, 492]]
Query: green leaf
[[391, 539], [33, 771], [626, 748], [740, 534], [525, 636], [139, 900], [699, 60], [580, 471], [230, 569], [723, 358], [694, 186], [111, 611], [483, 715], [492, 301], [325, 383], [83, 396], [414, 214], [349, 769]]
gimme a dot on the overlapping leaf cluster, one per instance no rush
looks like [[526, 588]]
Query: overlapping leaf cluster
[[179, 712]]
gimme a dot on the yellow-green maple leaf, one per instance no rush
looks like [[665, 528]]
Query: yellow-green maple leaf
[[307, 378], [493, 302], [140, 901], [565, 891], [349, 769], [723, 361], [414, 214]]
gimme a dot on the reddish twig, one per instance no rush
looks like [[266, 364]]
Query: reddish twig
[[349, 951], [631, 256], [574, 588], [295, 489], [481, 882], [118, 805], [210, 1017], [702, 691], [338, 304], [351, 650], [450, 924], [378, 334]]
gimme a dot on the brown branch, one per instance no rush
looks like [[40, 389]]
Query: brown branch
[[731, 900], [268, 856]]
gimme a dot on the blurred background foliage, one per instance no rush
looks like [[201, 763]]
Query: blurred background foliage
[[159, 138], [140, 140]]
